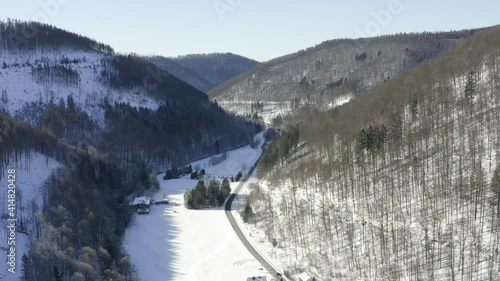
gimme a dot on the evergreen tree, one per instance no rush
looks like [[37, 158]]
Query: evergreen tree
[[26, 266], [188, 198], [225, 191], [247, 214], [238, 176], [495, 187], [200, 195], [362, 140], [414, 106], [71, 104], [57, 274], [213, 192], [217, 147], [395, 127], [470, 87]]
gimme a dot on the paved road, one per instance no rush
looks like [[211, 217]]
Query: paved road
[[238, 230]]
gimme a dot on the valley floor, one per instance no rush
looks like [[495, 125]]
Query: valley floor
[[174, 243]]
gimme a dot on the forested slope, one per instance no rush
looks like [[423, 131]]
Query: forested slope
[[319, 76], [121, 104], [205, 71], [110, 122], [399, 184], [77, 226]]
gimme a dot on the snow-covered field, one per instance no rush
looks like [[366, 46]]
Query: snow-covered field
[[31, 172], [174, 243]]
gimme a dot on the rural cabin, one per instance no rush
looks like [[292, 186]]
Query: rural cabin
[[142, 204]]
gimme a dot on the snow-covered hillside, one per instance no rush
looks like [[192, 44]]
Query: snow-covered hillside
[[31, 173], [47, 77], [271, 110], [400, 184], [174, 243]]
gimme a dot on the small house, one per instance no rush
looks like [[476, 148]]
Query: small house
[[142, 204]]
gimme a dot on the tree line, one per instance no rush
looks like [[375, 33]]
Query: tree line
[[24, 36], [213, 195]]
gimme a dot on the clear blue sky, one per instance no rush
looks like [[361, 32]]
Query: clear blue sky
[[259, 29]]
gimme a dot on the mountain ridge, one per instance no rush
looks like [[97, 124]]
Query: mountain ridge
[[320, 75], [205, 71]]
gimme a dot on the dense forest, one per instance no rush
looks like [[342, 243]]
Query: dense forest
[[318, 76], [20, 36], [77, 235], [398, 184], [209, 196], [113, 122], [205, 71], [218, 67]]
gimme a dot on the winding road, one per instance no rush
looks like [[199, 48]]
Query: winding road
[[228, 207]]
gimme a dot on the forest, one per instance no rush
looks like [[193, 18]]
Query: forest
[[398, 184], [110, 150], [209, 196], [19, 36], [317, 76]]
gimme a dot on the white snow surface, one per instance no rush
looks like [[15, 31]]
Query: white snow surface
[[31, 173], [340, 101], [21, 88], [174, 243], [270, 111]]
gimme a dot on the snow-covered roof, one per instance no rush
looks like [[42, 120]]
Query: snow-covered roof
[[304, 276], [142, 201]]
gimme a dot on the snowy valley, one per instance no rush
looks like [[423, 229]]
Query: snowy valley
[[176, 243], [344, 161]]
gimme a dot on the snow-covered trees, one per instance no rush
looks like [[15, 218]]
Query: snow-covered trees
[[425, 206], [225, 190], [317, 76], [23, 36], [78, 232]]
